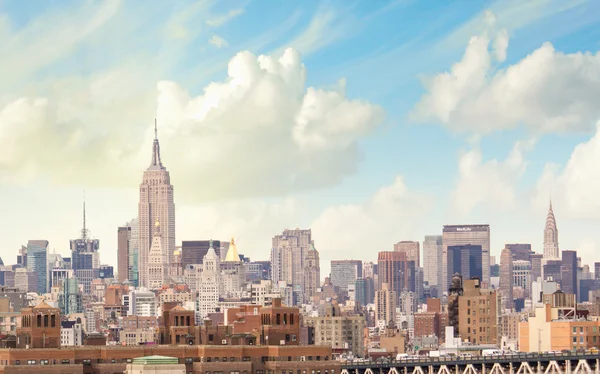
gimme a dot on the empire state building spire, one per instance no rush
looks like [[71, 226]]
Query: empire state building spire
[[550, 236], [156, 163]]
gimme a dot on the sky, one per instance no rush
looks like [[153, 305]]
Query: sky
[[369, 122]]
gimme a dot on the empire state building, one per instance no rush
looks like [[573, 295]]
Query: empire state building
[[156, 204]]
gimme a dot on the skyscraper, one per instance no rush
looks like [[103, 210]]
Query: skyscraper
[[123, 237], [396, 271], [506, 278], [37, 263], [569, 272], [156, 204], [412, 249], [550, 236], [345, 272], [312, 273], [288, 257], [461, 235], [465, 260], [85, 259], [432, 259], [158, 269]]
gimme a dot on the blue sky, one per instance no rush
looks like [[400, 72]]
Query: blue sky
[[384, 121]]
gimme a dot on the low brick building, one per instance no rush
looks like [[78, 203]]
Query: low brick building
[[197, 359]]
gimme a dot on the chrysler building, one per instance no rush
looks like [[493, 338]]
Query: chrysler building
[[551, 236], [156, 204]]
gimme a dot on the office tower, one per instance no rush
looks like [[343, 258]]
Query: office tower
[[550, 236], [365, 291], [432, 259], [233, 277], [520, 252], [37, 263], [85, 259], [158, 268], [461, 235], [369, 270], [569, 272], [123, 255], [209, 285], [193, 251], [288, 257], [506, 278], [345, 273], [552, 270], [312, 273], [396, 271], [464, 260], [412, 249], [386, 301], [156, 204], [133, 272], [536, 265], [597, 270], [522, 275]]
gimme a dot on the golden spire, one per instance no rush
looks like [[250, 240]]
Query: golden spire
[[232, 253]]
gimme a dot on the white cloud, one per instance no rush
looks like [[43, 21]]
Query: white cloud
[[575, 186], [327, 26], [491, 183], [223, 19], [218, 42], [546, 91], [262, 125], [392, 214]]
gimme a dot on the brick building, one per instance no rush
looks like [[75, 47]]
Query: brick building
[[40, 327], [197, 359]]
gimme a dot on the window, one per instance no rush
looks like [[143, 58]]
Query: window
[[43, 362], [31, 362], [574, 330]]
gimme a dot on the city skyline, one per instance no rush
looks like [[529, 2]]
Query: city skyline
[[294, 165]]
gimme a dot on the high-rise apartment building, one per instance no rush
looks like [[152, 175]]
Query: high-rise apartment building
[[432, 259], [551, 236], [461, 235], [396, 271], [478, 314], [37, 263], [156, 204], [345, 272], [386, 301], [506, 278], [123, 238], [288, 257], [412, 249], [312, 273]]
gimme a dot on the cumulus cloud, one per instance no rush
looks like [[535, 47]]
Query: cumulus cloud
[[490, 183], [393, 213], [575, 186], [218, 42], [546, 91], [259, 132]]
